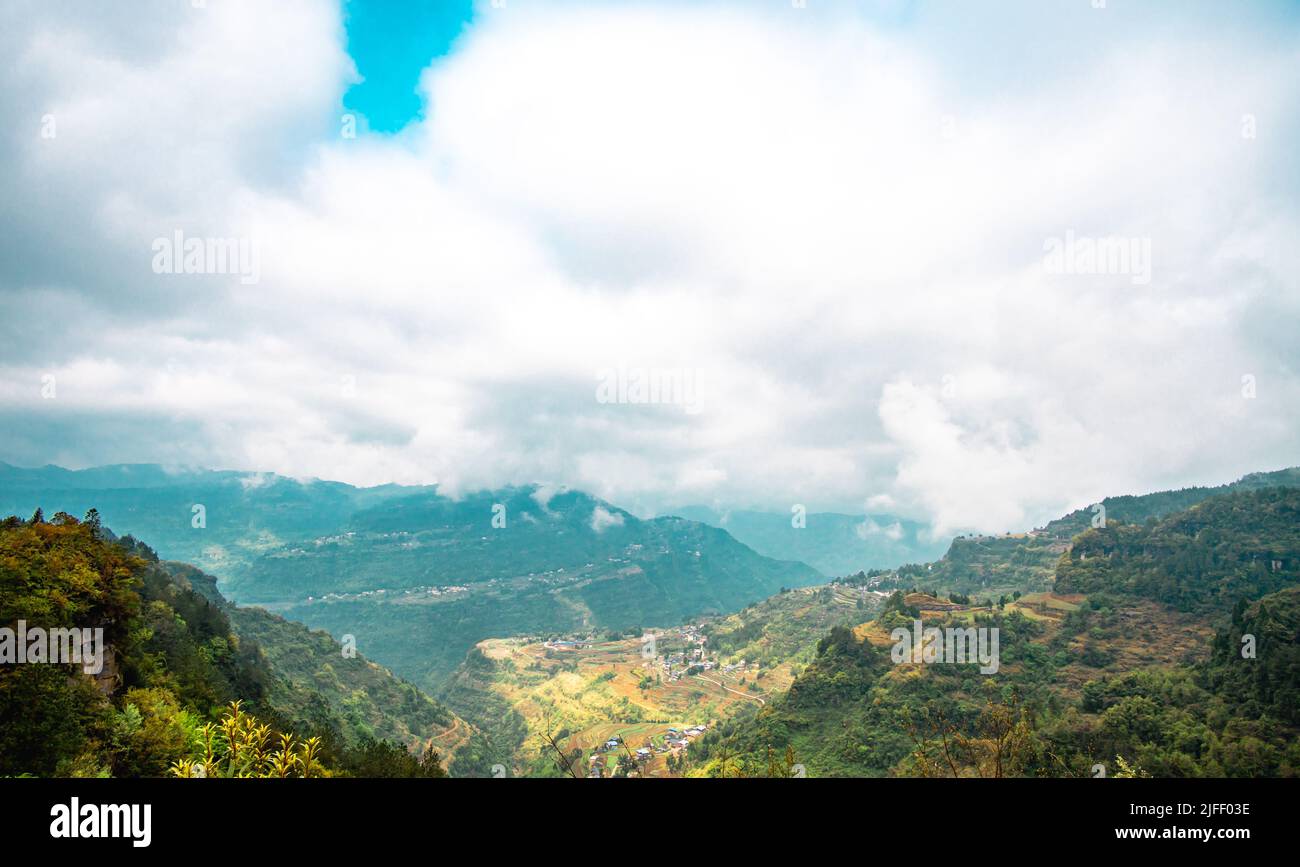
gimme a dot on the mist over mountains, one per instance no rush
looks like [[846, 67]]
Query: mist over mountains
[[835, 544], [416, 576], [455, 595]]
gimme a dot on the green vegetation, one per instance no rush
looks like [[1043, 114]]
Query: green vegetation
[[420, 578], [786, 627], [1207, 558], [1162, 644], [993, 565], [1123, 674], [640, 572], [312, 670], [173, 666], [850, 712], [501, 730]]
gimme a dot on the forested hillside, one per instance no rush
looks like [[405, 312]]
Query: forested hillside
[[178, 680], [1168, 648], [1231, 547], [1026, 561], [316, 679]]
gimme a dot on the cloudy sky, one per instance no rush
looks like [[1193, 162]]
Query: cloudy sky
[[846, 243]]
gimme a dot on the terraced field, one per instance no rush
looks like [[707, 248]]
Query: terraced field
[[1136, 634], [587, 694]]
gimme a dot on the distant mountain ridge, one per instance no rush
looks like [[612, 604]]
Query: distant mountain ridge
[[1027, 561], [241, 513], [564, 563], [487, 536], [833, 543], [418, 577]]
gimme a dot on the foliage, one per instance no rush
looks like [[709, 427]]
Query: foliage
[[1080, 688], [1228, 548], [238, 745], [176, 677]]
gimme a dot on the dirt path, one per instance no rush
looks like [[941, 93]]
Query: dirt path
[[729, 689]]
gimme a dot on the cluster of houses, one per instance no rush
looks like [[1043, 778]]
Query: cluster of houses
[[680, 740], [339, 539], [396, 594], [676, 665], [549, 573], [566, 644], [697, 658], [691, 634], [676, 740]]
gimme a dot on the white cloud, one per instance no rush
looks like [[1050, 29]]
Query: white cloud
[[869, 528], [827, 219], [602, 518], [880, 503]]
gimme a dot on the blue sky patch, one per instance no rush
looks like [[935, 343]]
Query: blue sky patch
[[391, 44]]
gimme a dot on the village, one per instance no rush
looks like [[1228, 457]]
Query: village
[[668, 658], [615, 757], [395, 595]]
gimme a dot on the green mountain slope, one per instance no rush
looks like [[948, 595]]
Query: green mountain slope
[[315, 680], [174, 662], [787, 627], [1135, 664], [993, 565], [1230, 547]]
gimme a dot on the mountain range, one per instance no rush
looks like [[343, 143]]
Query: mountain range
[[524, 612], [832, 543], [417, 578]]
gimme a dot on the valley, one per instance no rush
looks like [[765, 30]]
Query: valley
[[415, 577], [565, 698], [548, 633]]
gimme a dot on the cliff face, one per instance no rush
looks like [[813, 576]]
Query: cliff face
[[109, 678]]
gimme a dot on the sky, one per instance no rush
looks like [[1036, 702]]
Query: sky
[[391, 44], [739, 254]]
